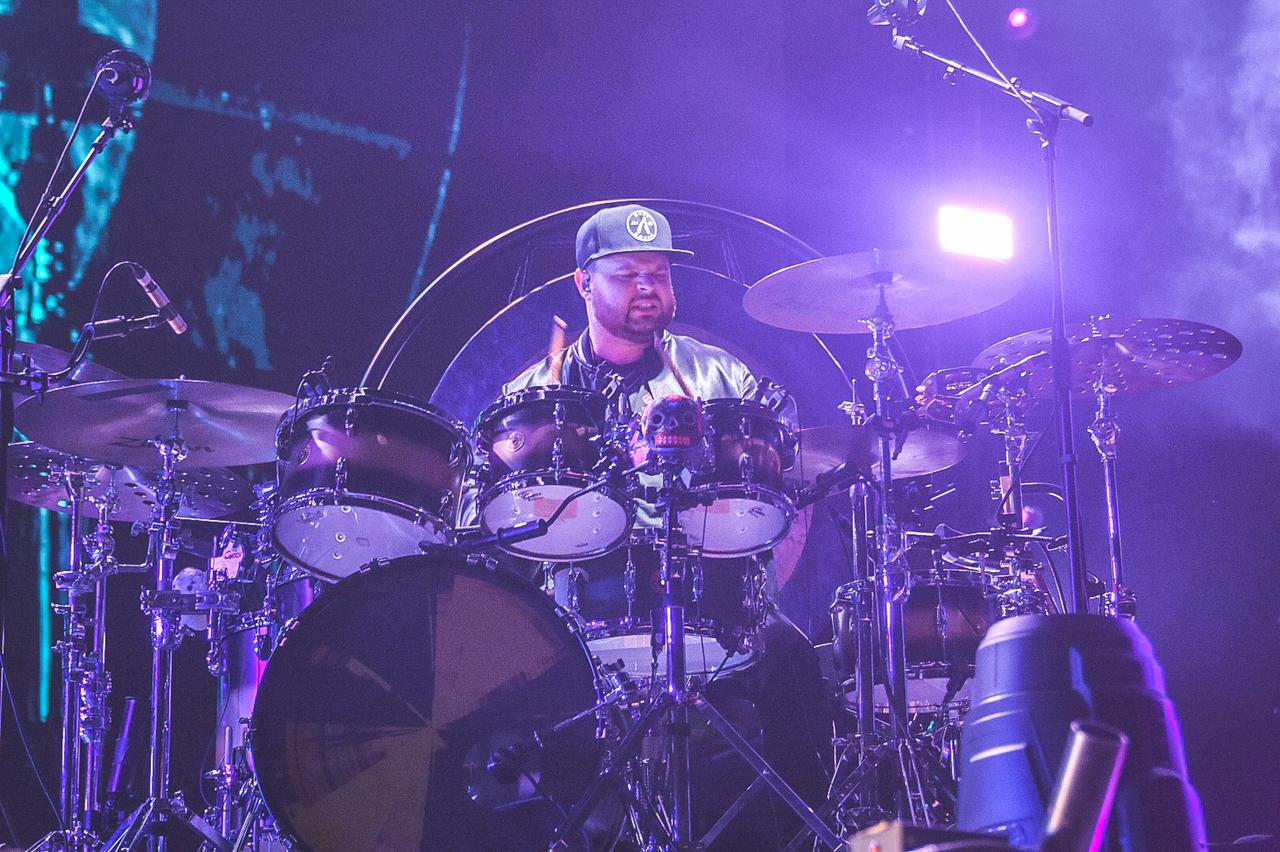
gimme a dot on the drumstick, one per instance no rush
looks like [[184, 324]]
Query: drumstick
[[671, 365], [555, 352]]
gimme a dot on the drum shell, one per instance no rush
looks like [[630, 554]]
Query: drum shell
[[518, 433], [738, 429], [945, 615], [728, 609], [394, 447], [246, 646]]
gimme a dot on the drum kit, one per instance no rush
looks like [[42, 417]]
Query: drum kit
[[386, 681]]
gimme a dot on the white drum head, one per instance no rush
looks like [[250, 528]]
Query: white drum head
[[337, 541], [591, 525], [736, 526], [703, 654]]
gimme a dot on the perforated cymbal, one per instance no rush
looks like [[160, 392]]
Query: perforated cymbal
[[223, 425], [1128, 356], [39, 476], [838, 294]]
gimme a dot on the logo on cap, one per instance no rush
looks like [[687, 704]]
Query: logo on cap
[[642, 226]]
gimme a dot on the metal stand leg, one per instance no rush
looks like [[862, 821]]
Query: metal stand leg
[[1118, 602]]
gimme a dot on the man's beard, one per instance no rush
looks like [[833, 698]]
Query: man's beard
[[641, 329]]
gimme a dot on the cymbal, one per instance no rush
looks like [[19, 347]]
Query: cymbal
[[926, 449], [835, 295], [38, 477], [223, 425], [1129, 356], [50, 359]]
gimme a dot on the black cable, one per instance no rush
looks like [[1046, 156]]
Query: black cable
[[17, 724], [57, 167], [8, 343]]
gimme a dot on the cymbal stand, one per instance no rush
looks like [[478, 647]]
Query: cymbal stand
[[164, 607], [1118, 601], [896, 756], [673, 703]]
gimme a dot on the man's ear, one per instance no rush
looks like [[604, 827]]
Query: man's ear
[[582, 278]]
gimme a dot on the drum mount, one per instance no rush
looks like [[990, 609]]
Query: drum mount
[[678, 697]]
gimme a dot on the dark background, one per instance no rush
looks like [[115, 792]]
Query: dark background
[[301, 171]]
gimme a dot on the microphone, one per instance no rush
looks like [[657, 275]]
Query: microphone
[[167, 311], [896, 13], [123, 77]]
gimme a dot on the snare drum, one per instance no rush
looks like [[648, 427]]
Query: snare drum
[[745, 508], [543, 444], [615, 597], [945, 615], [364, 475]]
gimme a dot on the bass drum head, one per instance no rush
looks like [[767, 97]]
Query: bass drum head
[[386, 700]]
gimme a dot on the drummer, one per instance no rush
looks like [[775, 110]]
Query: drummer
[[624, 277]]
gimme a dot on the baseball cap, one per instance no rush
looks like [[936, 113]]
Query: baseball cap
[[631, 227]]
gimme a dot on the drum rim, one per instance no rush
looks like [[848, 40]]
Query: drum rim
[[435, 562], [846, 592], [319, 496], [544, 476], [372, 397], [536, 393]]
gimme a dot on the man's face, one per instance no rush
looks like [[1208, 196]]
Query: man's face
[[631, 295]]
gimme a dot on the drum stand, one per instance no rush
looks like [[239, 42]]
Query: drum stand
[[85, 681], [1118, 601], [914, 772], [673, 704], [165, 607]]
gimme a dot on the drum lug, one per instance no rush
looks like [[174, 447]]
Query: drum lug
[[350, 420], [629, 585], [746, 467], [697, 579], [340, 475]]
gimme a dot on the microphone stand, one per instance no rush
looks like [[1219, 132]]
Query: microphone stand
[[1050, 111]]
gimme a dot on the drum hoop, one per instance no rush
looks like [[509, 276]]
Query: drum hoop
[[368, 398], [537, 393], [924, 578]]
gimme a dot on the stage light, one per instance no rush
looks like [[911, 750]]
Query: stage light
[[977, 233], [1020, 23]]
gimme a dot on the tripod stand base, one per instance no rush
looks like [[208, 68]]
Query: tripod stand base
[[152, 817]]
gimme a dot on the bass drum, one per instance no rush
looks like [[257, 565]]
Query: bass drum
[[397, 713]]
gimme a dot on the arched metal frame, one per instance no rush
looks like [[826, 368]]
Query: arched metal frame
[[692, 223]]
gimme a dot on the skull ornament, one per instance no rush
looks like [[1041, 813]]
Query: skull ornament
[[673, 424]]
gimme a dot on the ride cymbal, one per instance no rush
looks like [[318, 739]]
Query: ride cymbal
[[838, 294]]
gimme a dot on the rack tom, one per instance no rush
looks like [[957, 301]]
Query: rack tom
[[364, 475], [744, 507], [541, 445]]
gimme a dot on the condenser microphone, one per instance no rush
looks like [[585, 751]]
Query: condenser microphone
[[896, 13], [123, 77], [164, 307]]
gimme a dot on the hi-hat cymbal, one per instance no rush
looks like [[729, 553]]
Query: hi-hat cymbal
[[1128, 356], [38, 476], [929, 448], [222, 425], [50, 359], [838, 294]]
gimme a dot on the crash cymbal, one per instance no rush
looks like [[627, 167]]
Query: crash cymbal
[[50, 359], [1129, 356], [928, 448], [38, 476], [835, 295], [223, 425]]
